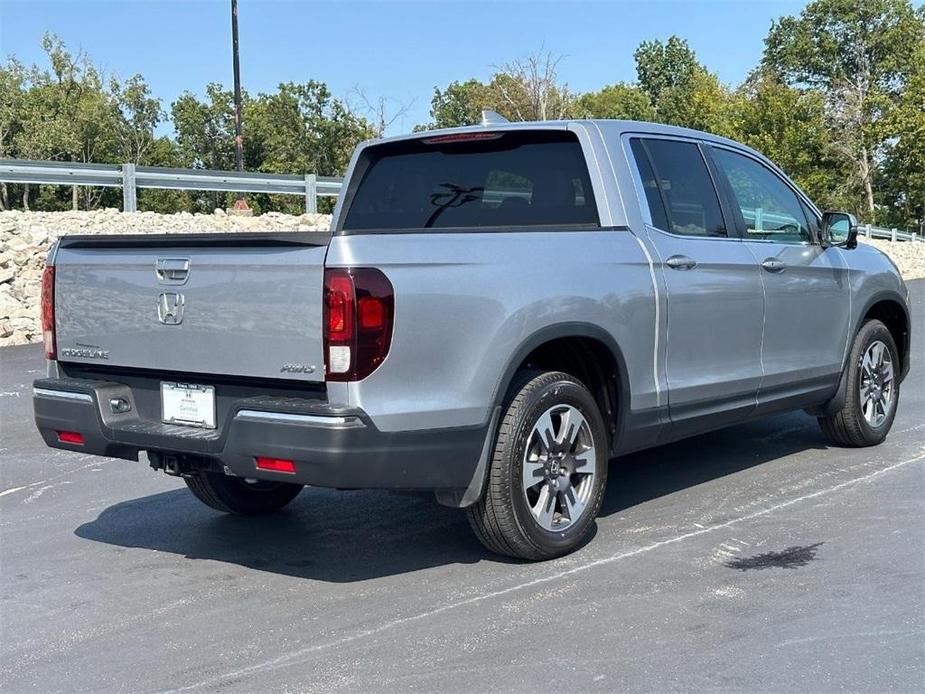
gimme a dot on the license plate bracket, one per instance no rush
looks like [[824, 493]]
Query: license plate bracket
[[188, 404]]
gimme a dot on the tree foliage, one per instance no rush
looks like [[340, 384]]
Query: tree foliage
[[838, 101], [621, 101], [664, 67], [857, 54], [70, 110]]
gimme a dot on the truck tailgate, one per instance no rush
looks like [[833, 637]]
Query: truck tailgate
[[233, 304]]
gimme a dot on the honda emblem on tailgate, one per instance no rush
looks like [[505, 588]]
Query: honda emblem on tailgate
[[170, 308]]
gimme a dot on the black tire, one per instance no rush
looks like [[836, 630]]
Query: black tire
[[848, 426], [502, 519], [234, 495]]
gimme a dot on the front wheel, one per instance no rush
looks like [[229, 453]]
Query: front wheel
[[237, 495], [548, 471], [872, 390]]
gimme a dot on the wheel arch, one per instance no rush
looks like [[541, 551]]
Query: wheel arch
[[561, 347], [884, 304], [890, 309], [610, 386]]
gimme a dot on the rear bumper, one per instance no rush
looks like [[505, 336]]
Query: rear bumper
[[331, 446]]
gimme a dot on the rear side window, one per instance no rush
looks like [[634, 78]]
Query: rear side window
[[518, 179], [678, 187], [649, 185]]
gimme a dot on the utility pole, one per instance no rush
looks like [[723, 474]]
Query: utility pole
[[240, 204]]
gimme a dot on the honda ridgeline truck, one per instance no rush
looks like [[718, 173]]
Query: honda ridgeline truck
[[496, 312]]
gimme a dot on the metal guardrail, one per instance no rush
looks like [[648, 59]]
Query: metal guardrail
[[893, 234], [130, 178]]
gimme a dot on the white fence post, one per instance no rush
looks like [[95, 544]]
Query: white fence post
[[868, 231], [129, 193], [311, 193], [893, 234]]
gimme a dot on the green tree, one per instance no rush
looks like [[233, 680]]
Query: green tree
[[529, 89], [857, 54], [164, 151], [205, 137], [621, 100], [788, 125], [205, 129], [12, 78], [301, 128], [461, 103], [701, 102], [903, 187], [681, 90], [663, 66], [65, 111], [525, 89], [138, 116]]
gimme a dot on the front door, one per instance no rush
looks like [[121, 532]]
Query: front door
[[806, 285], [715, 304]]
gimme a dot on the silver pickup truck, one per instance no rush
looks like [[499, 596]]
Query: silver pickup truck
[[497, 312]]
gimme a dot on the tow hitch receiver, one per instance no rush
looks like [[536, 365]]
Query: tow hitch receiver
[[176, 465]]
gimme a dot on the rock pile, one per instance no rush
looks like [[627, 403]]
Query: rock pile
[[26, 236], [909, 257]]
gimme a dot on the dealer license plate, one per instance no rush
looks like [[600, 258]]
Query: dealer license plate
[[188, 404]]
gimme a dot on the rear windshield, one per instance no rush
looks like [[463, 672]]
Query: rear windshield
[[521, 179]]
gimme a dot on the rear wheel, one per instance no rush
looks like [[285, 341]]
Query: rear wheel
[[872, 390], [236, 495], [548, 471]]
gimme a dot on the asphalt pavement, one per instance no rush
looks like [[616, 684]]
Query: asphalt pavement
[[757, 558]]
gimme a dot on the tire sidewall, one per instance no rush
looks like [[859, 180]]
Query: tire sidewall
[[871, 332], [240, 497], [560, 392]]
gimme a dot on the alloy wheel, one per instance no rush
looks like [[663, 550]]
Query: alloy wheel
[[559, 467], [876, 384]]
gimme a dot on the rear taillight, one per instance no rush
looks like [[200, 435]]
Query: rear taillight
[[359, 306], [48, 312]]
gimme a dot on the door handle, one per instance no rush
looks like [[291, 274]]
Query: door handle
[[172, 270], [681, 262], [773, 265]]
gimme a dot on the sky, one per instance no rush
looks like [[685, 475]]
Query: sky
[[395, 49]]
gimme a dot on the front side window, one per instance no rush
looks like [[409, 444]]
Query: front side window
[[770, 208], [678, 187], [523, 178]]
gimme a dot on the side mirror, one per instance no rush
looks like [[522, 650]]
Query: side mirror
[[840, 229]]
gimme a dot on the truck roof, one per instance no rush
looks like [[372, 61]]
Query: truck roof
[[610, 126]]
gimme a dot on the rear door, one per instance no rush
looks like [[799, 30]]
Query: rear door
[[715, 304], [806, 285], [230, 304]]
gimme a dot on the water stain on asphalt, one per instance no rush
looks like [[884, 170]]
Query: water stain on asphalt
[[790, 558]]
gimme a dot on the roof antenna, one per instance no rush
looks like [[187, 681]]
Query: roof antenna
[[492, 118]]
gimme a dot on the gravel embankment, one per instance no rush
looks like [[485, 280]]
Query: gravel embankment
[[26, 236], [909, 257]]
